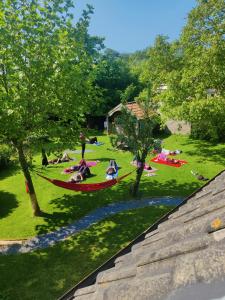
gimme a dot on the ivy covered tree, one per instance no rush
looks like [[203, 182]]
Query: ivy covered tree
[[137, 135], [46, 74]]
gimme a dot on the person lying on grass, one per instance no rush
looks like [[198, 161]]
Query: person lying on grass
[[71, 169], [112, 168], [63, 158], [163, 157], [172, 160], [171, 152], [83, 173], [137, 163]]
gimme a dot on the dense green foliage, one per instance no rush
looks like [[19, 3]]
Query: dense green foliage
[[5, 154], [115, 81]]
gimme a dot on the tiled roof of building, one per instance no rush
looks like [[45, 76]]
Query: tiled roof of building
[[136, 110], [184, 258], [132, 106]]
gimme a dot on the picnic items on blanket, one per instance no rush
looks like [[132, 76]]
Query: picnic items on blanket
[[88, 187], [162, 159]]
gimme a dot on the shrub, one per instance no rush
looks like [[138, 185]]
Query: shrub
[[5, 154]]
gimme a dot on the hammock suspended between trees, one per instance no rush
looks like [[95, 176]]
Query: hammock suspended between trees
[[88, 187]]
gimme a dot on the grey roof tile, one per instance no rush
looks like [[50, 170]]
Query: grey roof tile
[[179, 253]]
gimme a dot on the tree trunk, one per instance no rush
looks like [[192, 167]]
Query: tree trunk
[[139, 172], [28, 180]]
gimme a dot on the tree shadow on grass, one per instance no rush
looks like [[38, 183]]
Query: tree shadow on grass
[[206, 150], [74, 207], [48, 273], [103, 159], [11, 169], [8, 204]]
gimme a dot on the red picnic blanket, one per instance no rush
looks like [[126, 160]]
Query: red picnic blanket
[[172, 164]]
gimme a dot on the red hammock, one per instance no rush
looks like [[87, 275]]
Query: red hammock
[[88, 187]]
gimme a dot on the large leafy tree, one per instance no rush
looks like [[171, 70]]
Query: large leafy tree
[[46, 74], [202, 45], [203, 41], [155, 63]]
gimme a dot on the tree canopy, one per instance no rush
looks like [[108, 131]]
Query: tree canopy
[[187, 76], [46, 72]]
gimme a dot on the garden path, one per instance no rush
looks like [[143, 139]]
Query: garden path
[[49, 239]]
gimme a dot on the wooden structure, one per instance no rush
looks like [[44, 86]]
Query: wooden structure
[[116, 111]]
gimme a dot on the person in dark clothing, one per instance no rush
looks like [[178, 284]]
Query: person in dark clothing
[[93, 140], [83, 173], [83, 144], [44, 158], [112, 168]]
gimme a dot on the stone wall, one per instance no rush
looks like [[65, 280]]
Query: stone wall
[[178, 127]]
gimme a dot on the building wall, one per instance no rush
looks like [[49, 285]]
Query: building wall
[[178, 127]]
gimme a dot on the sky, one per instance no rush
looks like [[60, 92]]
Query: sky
[[131, 25]]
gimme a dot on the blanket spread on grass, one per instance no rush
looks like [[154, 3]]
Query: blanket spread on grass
[[164, 162]]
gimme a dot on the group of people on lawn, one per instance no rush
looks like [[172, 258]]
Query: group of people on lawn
[[83, 171]]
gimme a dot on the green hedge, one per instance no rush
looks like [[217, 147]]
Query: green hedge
[[5, 154]]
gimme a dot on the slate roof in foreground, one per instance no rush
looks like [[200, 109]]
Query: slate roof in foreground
[[184, 258]]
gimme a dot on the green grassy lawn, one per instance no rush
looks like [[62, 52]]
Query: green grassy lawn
[[63, 206], [48, 273]]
